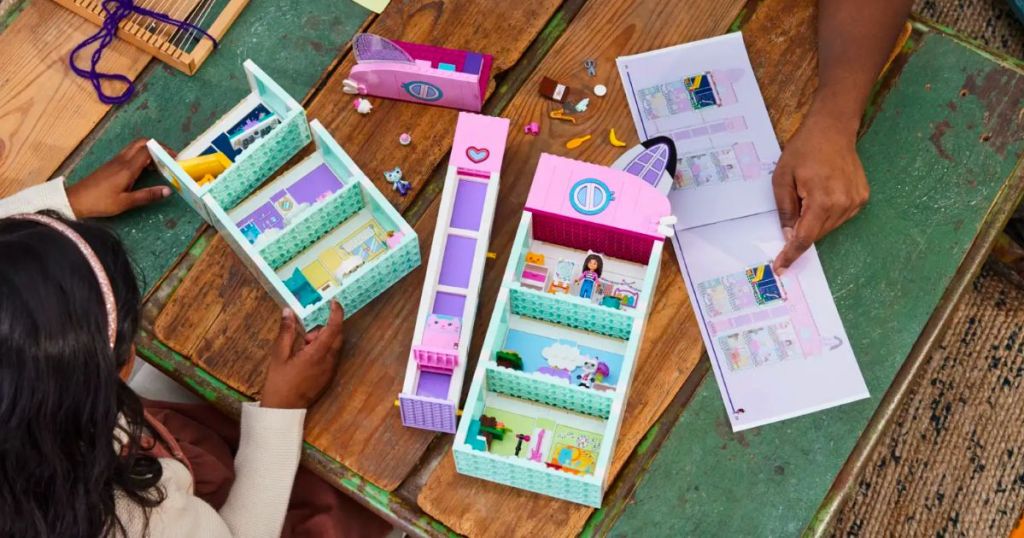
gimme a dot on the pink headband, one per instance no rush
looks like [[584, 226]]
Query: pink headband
[[97, 268]]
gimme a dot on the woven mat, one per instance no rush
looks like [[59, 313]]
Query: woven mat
[[991, 22], [951, 463]]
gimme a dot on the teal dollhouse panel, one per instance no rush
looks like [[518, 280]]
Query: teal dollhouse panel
[[549, 391], [318, 231], [257, 136], [328, 233], [531, 478], [261, 160], [179, 180], [546, 402], [332, 212], [567, 311]]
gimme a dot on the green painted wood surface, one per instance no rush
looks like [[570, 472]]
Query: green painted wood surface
[[945, 140], [294, 46]]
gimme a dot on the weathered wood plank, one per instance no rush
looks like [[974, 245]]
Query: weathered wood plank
[[355, 422], [46, 110], [603, 30], [940, 156]]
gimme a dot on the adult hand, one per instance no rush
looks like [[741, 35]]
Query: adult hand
[[819, 183], [301, 365], [108, 191]]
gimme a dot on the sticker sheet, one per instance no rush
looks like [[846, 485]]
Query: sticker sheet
[[777, 345]]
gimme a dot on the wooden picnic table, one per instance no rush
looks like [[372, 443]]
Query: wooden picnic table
[[941, 144]]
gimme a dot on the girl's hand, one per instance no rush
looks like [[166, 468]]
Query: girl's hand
[[301, 365], [108, 191]]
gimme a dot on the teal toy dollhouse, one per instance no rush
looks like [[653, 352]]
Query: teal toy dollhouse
[[318, 230], [550, 387]]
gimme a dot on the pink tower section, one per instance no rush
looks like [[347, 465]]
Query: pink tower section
[[590, 207], [478, 147]]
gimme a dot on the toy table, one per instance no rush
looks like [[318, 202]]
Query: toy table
[[941, 146]]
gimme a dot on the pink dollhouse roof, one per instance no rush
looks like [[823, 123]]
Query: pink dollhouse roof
[[605, 196], [479, 142]]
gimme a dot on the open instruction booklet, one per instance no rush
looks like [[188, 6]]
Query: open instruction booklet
[[776, 343]]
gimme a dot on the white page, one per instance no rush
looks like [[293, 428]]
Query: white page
[[731, 146], [777, 345], [762, 379]]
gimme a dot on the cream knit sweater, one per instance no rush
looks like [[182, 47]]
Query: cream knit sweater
[[265, 466]]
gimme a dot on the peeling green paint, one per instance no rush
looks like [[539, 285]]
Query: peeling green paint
[[199, 246], [645, 443], [977, 46], [429, 522], [11, 12], [154, 358], [205, 383], [593, 522], [548, 36], [738, 22]]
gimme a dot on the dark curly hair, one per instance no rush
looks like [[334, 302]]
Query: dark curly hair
[[61, 398]]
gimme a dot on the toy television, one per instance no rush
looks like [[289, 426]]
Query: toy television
[[547, 398], [318, 231], [418, 73], [444, 325]]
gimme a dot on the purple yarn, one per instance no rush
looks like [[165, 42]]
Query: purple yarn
[[116, 11]]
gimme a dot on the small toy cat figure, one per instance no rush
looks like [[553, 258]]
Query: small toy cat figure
[[398, 183], [589, 368], [442, 332]]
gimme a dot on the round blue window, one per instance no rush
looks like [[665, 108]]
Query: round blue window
[[423, 91], [590, 196]]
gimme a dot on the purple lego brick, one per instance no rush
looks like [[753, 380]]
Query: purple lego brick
[[449, 304], [427, 413], [433, 385], [469, 205], [457, 262], [474, 62]]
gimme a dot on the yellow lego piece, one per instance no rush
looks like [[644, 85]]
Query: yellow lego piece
[[318, 276]]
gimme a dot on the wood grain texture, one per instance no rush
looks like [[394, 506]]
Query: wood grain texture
[[45, 110], [782, 43], [221, 318], [497, 27], [672, 344]]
